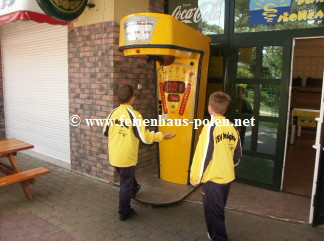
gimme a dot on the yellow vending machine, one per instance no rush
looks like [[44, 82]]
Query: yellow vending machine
[[181, 56]]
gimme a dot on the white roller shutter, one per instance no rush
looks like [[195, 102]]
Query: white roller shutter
[[35, 74]]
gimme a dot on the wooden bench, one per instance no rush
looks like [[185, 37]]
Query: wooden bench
[[23, 176], [9, 148]]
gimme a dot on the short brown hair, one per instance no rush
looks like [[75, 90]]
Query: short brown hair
[[219, 102], [125, 93]]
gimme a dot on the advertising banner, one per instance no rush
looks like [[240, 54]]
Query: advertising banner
[[285, 11]]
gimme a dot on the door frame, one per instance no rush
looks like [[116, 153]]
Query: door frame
[[319, 149], [289, 102], [317, 160], [288, 112], [284, 88]]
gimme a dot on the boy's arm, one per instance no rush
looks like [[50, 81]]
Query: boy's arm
[[105, 130], [107, 123], [237, 151], [203, 155], [140, 131]]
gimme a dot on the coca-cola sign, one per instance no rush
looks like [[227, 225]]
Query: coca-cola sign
[[199, 13]]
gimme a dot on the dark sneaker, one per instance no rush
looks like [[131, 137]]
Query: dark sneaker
[[124, 217], [138, 187]]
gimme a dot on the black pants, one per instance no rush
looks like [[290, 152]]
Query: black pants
[[214, 199], [128, 185]]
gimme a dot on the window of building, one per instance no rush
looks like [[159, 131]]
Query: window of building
[[270, 15]]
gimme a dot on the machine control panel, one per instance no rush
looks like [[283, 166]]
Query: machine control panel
[[177, 84]]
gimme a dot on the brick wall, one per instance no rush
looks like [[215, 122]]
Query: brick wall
[[96, 69], [2, 118], [157, 6]]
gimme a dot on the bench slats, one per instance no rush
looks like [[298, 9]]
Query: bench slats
[[5, 171], [23, 176], [8, 146]]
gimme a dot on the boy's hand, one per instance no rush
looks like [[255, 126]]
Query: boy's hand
[[169, 136], [193, 184]]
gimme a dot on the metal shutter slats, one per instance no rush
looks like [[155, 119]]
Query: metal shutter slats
[[35, 74]]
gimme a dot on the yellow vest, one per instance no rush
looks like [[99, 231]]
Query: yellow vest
[[218, 151], [123, 136]]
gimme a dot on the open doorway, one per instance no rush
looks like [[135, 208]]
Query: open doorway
[[307, 79], [215, 74]]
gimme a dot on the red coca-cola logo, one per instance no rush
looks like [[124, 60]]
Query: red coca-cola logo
[[207, 11]]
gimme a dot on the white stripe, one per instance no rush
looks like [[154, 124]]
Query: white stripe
[[138, 130], [205, 154], [238, 134], [108, 119]]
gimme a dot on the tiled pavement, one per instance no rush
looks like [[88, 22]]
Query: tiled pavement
[[67, 206], [263, 202]]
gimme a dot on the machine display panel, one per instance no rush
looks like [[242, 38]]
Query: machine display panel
[[177, 85], [173, 98], [174, 87]]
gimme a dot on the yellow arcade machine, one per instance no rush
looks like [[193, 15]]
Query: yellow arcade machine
[[182, 56]]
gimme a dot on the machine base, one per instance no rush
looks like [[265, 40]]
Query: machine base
[[156, 192]]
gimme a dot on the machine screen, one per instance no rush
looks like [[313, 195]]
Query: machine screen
[[174, 87]]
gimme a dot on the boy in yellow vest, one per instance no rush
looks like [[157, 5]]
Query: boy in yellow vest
[[123, 142], [217, 152]]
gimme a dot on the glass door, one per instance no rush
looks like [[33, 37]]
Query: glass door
[[216, 72], [258, 82], [316, 216]]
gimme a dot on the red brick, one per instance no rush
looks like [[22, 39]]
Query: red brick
[[79, 101], [95, 71]]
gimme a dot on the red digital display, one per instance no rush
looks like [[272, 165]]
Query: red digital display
[[173, 98], [174, 87]]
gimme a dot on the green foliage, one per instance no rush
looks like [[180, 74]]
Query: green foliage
[[272, 62], [209, 29], [270, 96], [243, 72]]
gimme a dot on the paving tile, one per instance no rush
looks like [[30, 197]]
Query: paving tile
[[79, 208]]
